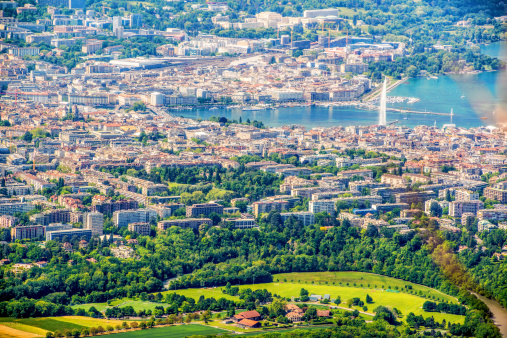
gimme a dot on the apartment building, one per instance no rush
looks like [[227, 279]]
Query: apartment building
[[268, 206], [166, 210], [109, 207], [466, 195], [38, 184], [393, 180], [415, 197], [242, 223], [94, 221], [60, 235], [12, 208], [492, 214], [7, 221], [417, 178], [91, 46], [322, 206], [366, 173], [142, 228], [498, 192], [204, 209], [52, 216], [123, 218], [458, 208], [27, 232], [306, 217], [24, 51]]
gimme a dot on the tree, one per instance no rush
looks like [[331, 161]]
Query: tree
[[139, 106], [369, 300], [412, 71], [310, 314], [303, 295], [448, 195], [435, 209], [383, 313], [277, 307], [206, 316], [27, 137]]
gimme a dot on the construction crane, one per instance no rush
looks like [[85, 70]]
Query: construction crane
[[15, 96]]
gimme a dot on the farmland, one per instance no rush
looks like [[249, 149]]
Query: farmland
[[39, 326]]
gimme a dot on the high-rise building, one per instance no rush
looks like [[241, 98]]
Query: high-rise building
[[94, 221], [382, 120], [136, 20], [117, 22], [29, 232], [61, 235], [77, 4], [118, 32], [205, 209], [124, 217]]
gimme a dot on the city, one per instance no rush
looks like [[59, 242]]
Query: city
[[165, 169]]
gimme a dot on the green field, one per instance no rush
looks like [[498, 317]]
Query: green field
[[368, 280], [403, 301], [136, 304], [172, 331]]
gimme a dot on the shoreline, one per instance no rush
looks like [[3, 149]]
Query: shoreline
[[368, 97]]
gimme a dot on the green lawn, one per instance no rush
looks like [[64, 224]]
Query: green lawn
[[176, 331], [368, 280], [136, 304], [256, 333], [403, 301]]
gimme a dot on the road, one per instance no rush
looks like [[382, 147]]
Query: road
[[499, 313]]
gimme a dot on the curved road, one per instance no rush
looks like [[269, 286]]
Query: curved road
[[499, 313]]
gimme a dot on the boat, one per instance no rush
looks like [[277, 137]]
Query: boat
[[484, 118], [462, 96], [433, 77], [213, 108], [251, 108], [405, 118]]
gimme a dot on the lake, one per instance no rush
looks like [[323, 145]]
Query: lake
[[471, 97]]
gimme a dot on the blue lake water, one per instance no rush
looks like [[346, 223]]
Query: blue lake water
[[471, 97]]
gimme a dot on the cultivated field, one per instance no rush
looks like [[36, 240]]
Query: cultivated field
[[39, 326]]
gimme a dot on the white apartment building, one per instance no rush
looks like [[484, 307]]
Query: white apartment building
[[466, 195], [458, 208], [306, 217], [123, 218], [492, 214], [94, 221], [320, 206], [242, 223]]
